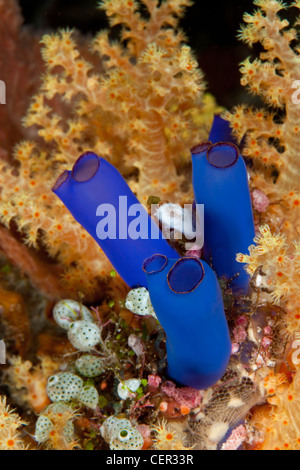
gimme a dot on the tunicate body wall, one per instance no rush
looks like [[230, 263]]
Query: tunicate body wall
[[99, 199], [187, 300]]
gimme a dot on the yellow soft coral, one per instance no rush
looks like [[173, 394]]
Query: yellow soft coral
[[43, 221], [29, 382], [137, 102], [272, 133], [10, 424], [142, 111], [279, 423], [167, 438], [280, 272]]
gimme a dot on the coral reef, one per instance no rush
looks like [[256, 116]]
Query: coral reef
[[140, 107], [10, 427], [270, 140], [14, 320], [87, 359], [167, 438], [222, 409], [278, 422], [28, 382], [272, 132], [279, 275]]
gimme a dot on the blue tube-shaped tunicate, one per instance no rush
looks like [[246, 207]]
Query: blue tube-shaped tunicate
[[220, 131], [187, 300], [99, 199], [220, 182]]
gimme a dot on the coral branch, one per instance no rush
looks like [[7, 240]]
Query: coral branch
[[10, 423], [281, 273], [272, 138], [44, 276]]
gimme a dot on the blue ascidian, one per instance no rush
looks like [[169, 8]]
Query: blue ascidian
[[99, 199], [187, 300]]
